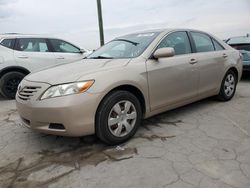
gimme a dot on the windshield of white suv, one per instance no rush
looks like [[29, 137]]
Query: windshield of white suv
[[129, 46]]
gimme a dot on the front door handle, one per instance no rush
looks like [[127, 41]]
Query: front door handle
[[60, 57], [23, 57], [224, 55], [193, 61]]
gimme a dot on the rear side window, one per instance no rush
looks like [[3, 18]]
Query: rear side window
[[32, 45], [8, 43], [217, 46], [203, 42], [177, 40], [62, 46]]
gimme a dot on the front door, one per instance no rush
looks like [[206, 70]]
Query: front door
[[65, 52], [173, 79]]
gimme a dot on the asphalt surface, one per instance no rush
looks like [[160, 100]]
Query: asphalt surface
[[205, 144]]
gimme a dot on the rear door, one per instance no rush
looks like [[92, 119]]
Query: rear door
[[211, 58], [65, 52], [6, 52], [33, 53]]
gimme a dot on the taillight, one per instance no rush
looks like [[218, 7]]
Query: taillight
[[241, 56]]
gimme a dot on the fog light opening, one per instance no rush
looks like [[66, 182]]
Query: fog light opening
[[26, 121], [57, 126]]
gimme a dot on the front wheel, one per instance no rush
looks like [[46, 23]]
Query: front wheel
[[228, 86], [118, 117]]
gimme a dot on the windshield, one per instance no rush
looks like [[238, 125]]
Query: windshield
[[128, 46]]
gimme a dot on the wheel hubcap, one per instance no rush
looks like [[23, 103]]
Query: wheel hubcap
[[229, 85], [12, 84], [122, 118]]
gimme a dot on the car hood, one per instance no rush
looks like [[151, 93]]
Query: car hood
[[74, 71]]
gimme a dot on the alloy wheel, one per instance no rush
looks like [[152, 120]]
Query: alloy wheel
[[229, 85], [122, 118]]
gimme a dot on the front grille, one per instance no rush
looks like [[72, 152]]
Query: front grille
[[27, 92]]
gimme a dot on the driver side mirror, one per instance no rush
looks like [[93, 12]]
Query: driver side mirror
[[164, 52]]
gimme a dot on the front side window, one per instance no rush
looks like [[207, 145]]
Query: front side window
[[63, 47], [32, 45], [179, 41], [8, 43], [129, 46], [203, 42]]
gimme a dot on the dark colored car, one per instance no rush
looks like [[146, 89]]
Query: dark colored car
[[243, 45]]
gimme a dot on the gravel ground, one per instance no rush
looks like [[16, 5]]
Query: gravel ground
[[205, 144]]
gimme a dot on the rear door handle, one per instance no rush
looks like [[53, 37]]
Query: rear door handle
[[193, 61], [23, 57], [224, 55]]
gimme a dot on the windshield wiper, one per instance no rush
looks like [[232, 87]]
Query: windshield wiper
[[101, 57], [129, 41]]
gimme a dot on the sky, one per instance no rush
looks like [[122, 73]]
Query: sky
[[76, 20]]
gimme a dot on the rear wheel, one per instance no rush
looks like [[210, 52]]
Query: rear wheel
[[228, 86], [118, 117], [9, 83]]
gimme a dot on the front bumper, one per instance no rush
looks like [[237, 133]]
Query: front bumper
[[76, 113]]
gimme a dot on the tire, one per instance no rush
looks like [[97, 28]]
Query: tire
[[114, 123], [228, 86], [9, 83]]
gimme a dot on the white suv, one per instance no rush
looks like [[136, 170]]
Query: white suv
[[22, 54]]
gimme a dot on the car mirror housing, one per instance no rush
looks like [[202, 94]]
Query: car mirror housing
[[164, 52], [82, 51]]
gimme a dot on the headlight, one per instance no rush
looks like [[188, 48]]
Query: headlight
[[67, 89]]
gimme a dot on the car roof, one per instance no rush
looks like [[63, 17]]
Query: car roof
[[239, 40], [17, 35], [163, 30]]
